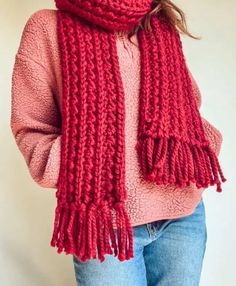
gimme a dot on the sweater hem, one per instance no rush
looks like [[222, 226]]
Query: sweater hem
[[162, 217]]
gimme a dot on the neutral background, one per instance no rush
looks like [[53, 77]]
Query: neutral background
[[27, 210]]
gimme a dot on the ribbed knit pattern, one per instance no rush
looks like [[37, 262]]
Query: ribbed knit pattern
[[120, 15], [171, 143]]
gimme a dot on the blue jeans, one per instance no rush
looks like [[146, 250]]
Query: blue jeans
[[167, 252]]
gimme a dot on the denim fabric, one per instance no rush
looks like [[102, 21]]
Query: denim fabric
[[167, 252]]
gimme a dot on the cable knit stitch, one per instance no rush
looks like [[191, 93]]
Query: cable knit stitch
[[36, 121]]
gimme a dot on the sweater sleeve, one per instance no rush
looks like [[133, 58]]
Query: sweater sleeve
[[35, 119], [213, 134]]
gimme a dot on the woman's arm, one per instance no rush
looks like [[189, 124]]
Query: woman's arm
[[35, 118], [213, 134]]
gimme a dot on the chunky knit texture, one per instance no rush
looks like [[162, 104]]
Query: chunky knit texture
[[120, 15], [45, 137], [171, 143]]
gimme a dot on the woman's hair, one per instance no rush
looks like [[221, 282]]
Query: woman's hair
[[174, 15]]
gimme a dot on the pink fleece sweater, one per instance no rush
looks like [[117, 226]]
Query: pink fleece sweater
[[36, 121]]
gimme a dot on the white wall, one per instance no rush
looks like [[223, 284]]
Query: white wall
[[27, 210]]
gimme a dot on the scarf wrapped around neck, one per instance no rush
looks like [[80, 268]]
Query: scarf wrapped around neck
[[171, 143]]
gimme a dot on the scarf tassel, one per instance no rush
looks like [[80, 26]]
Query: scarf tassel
[[87, 231], [170, 160]]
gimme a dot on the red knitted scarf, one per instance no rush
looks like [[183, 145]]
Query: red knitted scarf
[[171, 143]]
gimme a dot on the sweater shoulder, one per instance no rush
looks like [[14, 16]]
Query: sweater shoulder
[[42, 18], [42, 14], [38, 30]]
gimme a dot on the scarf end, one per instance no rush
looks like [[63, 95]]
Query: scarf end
[[170, 160], [86, 231]]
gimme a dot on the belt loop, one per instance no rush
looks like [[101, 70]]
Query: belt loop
[[151, 229]]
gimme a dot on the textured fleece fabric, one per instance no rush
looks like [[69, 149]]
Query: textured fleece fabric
[[36, 120]]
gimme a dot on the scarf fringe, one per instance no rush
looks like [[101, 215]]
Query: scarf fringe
[[87, 231], [186, 163]]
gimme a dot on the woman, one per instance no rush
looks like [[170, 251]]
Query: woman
[[105, 110]]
